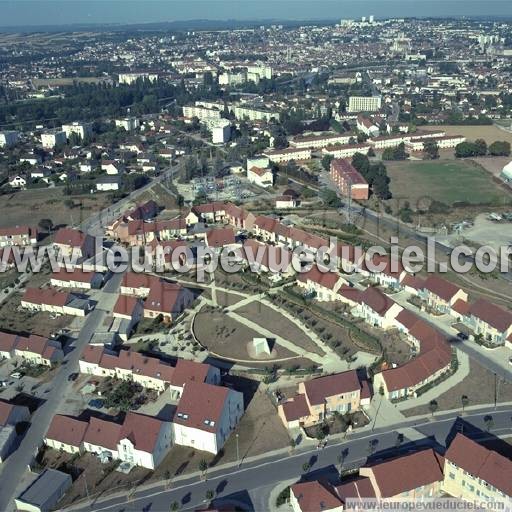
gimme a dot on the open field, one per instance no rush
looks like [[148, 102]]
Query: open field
[[488, 133], [278, 324], [230, 339], [478, 386], [447, 181], [30, 206]]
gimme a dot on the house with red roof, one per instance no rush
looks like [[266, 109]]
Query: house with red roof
[[384, 271], [378, 309], [55, 301], [76, 278], [319, 398], [261, 176], [140, 440], [262, 257], [70, 241], [314, 496], [440, 294], [206, 416], [491, 322], [167, 300], [11, 414], [321, 282], [432, 360], [18, 236], [474, 472], [33, 349], [220, 238]]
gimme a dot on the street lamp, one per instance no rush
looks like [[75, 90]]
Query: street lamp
[[237, 451]]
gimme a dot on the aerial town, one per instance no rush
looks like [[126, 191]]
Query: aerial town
[[193, 315]]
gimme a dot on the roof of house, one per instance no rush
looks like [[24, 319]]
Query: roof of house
[[317, 390], [481, 462], [360, 487], [103, 433], [164, 297], [189, 371], [315, 497], [220, 237], [46, 296], [440, 287], [408, 472], [126, 305], [500, 319], [76, 274], [275, 258], [143, 431], [71, 237], [295, 408], [8, 341], [6, 408], [201, 406], [19, 230], [327, 279], [67, 430], [376, 300]]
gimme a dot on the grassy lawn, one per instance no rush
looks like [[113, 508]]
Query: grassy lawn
[[448, 181]]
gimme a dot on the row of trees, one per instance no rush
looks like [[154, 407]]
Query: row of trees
[[479, 148], [375, 174]]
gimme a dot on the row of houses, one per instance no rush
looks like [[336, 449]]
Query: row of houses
[[468, 471], [205, 415], [32, 349]]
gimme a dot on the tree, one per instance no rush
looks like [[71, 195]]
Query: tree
[[175, 506], [326, 162], [397, 153], [499, 148], [431, 150], [46, 224], [433, 406], [330, 198], [465, 401], [489, 422], [306, 467], [481, 147], [203, 466], [209, 494]]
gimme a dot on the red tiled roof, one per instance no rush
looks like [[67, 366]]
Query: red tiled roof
[[103, 433], [8, 341], [69, 236], [500, 319], [440, 287], [376, 300], [220, 237], [408, 472], [67, 430], [189, 371], [482, 463], [45, 296], [295, 408], [314, 497], [126, 305], [141, 430], [201, 406], [321, 388]]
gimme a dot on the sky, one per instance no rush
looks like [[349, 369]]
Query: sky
[[65, 12]]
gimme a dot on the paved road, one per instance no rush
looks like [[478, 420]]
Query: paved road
[[231, 483]]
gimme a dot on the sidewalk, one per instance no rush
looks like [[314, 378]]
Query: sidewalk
[[433, 393]]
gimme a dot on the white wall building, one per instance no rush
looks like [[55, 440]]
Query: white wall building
[[364, 103], [53, 139]]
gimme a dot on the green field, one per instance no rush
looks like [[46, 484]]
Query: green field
[[447, 181]]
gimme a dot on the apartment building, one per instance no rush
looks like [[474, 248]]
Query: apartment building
[[444, 142], [348, 180], [280, 156], [388, 141], [346, 151], [364, 104], [82, 130], [8, 138], [201, 113], [245, 112], [128, 123], [53, 139], [319, 141], [319, 398]]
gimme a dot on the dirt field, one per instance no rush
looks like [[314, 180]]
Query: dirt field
[[30, 206], [23, 321], [488, 133], [279, 325], [478, 386], [448, 181]]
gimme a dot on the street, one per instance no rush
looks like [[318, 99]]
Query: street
[[232, 484]]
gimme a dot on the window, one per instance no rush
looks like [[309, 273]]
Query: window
[[452, 476]]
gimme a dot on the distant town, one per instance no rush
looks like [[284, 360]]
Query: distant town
[[302, 380]]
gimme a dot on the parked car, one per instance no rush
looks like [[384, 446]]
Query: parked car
[[16, 375], [73, 376], [462, 335], [3, 383]]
